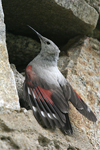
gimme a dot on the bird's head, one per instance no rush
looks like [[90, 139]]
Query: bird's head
[[48, 48]]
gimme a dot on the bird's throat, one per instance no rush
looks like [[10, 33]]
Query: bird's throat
[[50, 59]]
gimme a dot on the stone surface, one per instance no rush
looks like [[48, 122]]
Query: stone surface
[[83, 73], [78, 7], [19, 78], [8, 92], [96, 5], [21, 50], [58, 20], [20, 130]]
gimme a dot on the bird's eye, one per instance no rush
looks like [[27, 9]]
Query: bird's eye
[[48, 42]]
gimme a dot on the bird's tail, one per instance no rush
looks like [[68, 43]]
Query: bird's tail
[[78, 103], [81, 106], [67, 129]]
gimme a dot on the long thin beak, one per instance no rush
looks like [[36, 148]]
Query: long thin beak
[[39, 35]]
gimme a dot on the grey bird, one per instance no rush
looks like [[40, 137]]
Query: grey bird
[[48, 92]]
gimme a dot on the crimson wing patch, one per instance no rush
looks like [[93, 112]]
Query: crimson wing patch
[[45, 103]]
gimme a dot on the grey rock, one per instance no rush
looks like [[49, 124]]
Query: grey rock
[[19, 78], [83, 73], [80, 9], [96, 5], [95, 44], [21, 49], [58, 20], [8, 92], [20, 130], [96, 34]]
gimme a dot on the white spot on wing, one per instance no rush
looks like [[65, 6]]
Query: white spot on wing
[[80, 108], [54, 116], [33, 94], [88, 109], [49, 116], [43, 114], [34, 108], [29, 91]]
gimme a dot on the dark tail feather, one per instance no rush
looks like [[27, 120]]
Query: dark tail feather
[[87, 112], [78, 103], [81, 106], [67, 129]]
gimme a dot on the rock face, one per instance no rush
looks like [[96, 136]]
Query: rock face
[[20, 130], [19, 79], [58, 20], [8, 92], [21, 49], [83, 73], [96, 5]]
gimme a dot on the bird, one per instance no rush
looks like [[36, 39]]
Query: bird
[[48, 92]]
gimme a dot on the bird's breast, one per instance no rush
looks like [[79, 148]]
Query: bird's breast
[[51, 75]]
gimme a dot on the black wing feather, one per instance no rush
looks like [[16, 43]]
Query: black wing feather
[[42, 108], [51, 110], [79, 104], [44, 118]]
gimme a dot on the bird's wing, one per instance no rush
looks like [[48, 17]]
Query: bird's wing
[[47, 101], [78, 103]]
